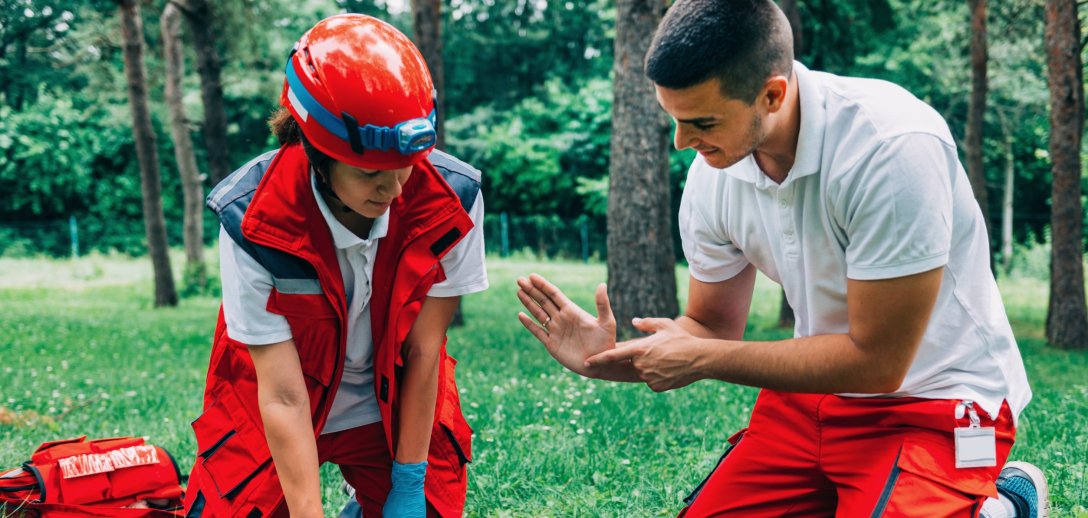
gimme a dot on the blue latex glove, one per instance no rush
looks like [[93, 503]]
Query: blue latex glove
[[406, 498]]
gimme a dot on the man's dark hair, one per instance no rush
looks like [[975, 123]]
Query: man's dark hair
[[287, 131], [741, 42]]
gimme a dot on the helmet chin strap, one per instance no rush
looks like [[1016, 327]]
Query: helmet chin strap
[[325, 188]]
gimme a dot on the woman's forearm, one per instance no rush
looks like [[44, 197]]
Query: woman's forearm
[[285, 410], [417, 406], [291, 440], [422, 354]]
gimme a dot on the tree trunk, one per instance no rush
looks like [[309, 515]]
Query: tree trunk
[[427, 29], [976, 114], [786, 318], [196, 277], [144, 134], [427, 32], [201, 24], [641, 269], [1067, 317], [1007, 205]]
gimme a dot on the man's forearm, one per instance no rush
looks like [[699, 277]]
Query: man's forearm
[[887, 321], [733, 331], [818, 364]]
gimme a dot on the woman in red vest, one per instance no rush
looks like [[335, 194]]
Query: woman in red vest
[[343, 256]]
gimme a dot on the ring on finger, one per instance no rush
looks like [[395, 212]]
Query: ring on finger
[[546, 322]]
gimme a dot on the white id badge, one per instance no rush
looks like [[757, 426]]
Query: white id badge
[[976, 447]]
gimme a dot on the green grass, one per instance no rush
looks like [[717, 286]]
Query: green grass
[[84, 353]]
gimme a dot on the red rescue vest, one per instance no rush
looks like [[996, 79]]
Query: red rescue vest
[[282, 224]]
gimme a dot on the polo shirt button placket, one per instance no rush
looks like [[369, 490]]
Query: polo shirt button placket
[[366, 271], [787, 218]]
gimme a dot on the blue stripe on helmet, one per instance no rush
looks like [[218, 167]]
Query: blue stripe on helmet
[[371, 136]]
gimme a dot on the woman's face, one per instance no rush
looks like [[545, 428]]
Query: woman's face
[[367, 192]]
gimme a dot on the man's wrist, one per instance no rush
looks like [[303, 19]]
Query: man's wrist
[[702, 360]]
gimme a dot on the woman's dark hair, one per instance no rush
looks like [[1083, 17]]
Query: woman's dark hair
[[741, 42], [287, 131]]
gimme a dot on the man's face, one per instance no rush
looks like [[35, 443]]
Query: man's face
[[722, 130], [367, 192]]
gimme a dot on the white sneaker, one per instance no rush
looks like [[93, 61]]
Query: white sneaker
[[1025, 485]]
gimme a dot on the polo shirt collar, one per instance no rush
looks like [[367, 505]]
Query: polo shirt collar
[[341, 236], [810, 140]]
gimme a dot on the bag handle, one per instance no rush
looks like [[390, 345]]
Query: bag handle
[[39, 483], [29, 467]]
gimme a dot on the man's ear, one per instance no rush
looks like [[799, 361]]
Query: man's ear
[[773, 95]]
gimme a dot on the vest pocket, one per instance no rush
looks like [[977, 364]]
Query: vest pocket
[[462, 455], [231, 450], [312, 305], [315, 330], [452, 421]]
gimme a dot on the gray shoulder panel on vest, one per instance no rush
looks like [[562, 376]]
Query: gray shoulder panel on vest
[[242, 182], [230, 199], [462, 178]]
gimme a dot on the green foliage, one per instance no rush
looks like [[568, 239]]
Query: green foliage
[[68, 148], [594, 193], [43, 138], [1018, 115], [547, 442], [836, 33], [534, 154], [34, 36], [528, 98], [501, 52], [194, 281]]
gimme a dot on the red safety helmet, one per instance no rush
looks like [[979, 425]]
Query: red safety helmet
[[361, 93]]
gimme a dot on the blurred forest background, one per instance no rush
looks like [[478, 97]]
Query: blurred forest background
[[118, 116], [527, 97]]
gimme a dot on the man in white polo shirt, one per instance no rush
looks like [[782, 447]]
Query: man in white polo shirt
[[899, 393]]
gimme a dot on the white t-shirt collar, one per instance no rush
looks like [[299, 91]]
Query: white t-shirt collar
[[341, 236]]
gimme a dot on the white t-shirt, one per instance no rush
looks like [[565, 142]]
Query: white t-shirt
[[247, 286], [876, 192]]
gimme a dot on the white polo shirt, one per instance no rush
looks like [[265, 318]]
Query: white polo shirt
[[247, 286], [876, 192]]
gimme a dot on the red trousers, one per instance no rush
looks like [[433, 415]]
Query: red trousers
[[364, 461], [825, 455]]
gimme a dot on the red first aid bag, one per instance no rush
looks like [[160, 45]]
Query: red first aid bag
[[122, 477]]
